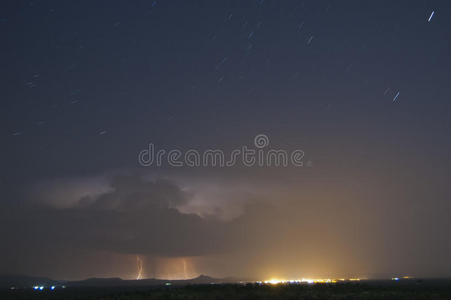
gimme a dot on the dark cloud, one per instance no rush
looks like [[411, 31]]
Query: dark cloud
[[137, 217], [297, 229]]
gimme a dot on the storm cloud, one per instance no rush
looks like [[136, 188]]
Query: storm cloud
[[295, 228]]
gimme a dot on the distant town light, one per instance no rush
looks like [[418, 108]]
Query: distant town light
[[274, 281]]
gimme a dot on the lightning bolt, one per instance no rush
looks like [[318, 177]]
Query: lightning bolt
[[139, 264], [184, 268]]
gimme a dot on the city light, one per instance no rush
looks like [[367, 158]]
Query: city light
[[276, 281]]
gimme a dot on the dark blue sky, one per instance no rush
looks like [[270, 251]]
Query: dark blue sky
[[85, 85]]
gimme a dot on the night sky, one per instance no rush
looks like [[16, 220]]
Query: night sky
[[361, 87]]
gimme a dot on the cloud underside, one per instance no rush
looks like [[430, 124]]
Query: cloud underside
[[337, 232]]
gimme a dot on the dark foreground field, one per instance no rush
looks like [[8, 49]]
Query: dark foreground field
[[230, 291]]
